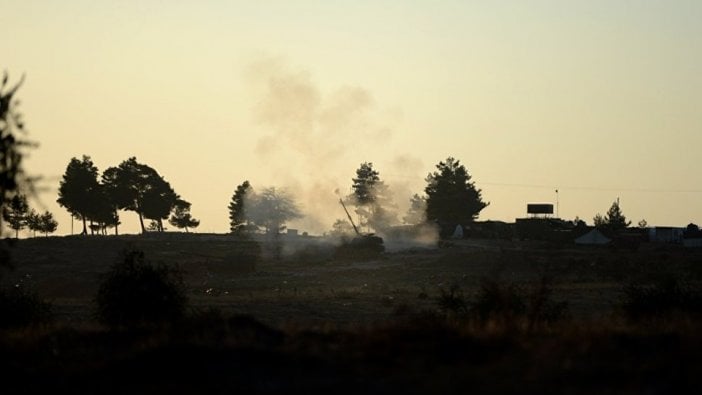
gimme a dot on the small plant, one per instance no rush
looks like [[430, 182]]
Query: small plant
[[662, 299], [452, 300], [496, 301], [136, 292], [20, 308]]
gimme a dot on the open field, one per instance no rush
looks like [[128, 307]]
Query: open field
[[307, 283], [309, 320]]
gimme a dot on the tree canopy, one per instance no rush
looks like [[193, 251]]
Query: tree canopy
[[372, 198], [15, 213], [238, 221], [181, 217], [614, 220], [79, 190], [451, 196], [271, 208]]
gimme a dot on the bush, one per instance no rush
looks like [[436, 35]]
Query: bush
[[20, 308], [496, 301], [136, 292], [452, 300], [662, 299]]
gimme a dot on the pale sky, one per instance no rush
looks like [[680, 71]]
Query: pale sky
[[598, 99]]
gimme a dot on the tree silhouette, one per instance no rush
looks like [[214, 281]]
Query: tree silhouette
[[33, 222], [238, 221], [47, 223], [79, 191], [11, 144], [451, 198], [372, 199], [16, 213], [417, 212], [271, 208], [181, 217], [614, 220], [134, 186]]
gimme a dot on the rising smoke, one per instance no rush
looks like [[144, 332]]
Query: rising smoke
[[315, 140]]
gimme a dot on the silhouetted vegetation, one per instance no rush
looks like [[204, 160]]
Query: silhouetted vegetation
[[614, 221], [181, 217], [666, 298], [20, 307], [452, 198], [15, 213], [372, 199], [136, 292], [131, 186], [238, 222]]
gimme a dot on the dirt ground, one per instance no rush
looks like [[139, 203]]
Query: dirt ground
[[304, 281]]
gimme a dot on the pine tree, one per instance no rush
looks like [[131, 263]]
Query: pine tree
[[79, 189], [47, 223], [16, 213], [34, 222], [181, 217], [452, 199], [238, 221], [417, 212], [372, 198]]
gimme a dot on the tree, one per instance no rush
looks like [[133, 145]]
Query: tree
[[372, 199], [16, 213], [342, 229], [643, 224], [271, 208], [47, 223], [614, 220], [79, 191], [134, 186], [11, 144], [451, 198], [34, 222], [238, 221], [181, 217], [417, 212]]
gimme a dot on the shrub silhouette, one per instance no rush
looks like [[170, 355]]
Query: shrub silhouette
[[497, 301], [662, 299], [19, 308], [136, 292], [452, 300]]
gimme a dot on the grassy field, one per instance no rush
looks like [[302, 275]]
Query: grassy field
[[304, 318]]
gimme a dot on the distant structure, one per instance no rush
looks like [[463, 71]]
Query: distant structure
[[536, 210]]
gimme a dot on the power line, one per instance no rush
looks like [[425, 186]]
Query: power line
[[591, 188]]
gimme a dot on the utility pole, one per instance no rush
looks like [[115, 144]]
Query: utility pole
[[557, 204]]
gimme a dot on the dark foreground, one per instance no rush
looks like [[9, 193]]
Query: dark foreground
[[311, 322], [415, 355]]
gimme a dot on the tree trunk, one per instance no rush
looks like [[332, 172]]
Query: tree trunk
[[85, 227], [141, 222]]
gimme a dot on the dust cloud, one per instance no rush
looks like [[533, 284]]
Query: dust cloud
[[313, 141]]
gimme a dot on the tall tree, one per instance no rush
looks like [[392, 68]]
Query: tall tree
[[238, 221], [79, 189], [452, 198], [271, 209], [47, 223], [614, 220], [11, 143], [16, 213], [137, 187], [417, 211], [181, 217], [372, 198], [33, 222]]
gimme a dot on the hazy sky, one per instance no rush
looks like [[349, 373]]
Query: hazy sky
[[599, 99]]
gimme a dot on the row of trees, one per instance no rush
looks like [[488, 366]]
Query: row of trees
[[450, 198], [131, 186], [18, 216]]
